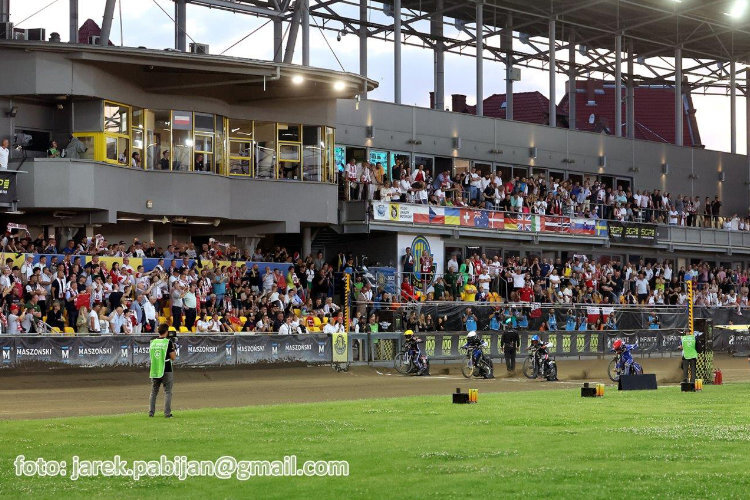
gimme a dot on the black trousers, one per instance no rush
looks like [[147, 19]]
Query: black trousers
[[510, 359], [177, 317], [688, 369], [190, 314]]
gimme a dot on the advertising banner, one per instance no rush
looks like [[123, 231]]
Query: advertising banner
[[628, 232], [7, 352], [99, 351], [7, 188], [340, 347], [205, 351], [252, 349], [45, 350]]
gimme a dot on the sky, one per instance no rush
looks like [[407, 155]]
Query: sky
[[145, 24]]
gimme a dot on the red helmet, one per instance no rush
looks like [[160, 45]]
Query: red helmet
[[617, 345]]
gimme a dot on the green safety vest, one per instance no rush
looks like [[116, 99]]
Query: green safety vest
[[158, 352], [688, 347]]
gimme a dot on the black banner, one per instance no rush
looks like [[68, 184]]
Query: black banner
[[252, 349], [205, 351], [628, 232], [7, 352], [7, 188]]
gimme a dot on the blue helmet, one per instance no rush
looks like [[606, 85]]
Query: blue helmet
[[535, 337]]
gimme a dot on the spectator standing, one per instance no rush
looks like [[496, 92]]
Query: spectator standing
[[189, 304], [4, 154]]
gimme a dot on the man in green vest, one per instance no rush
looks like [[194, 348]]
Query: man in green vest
[[689, 357], [162, 353]]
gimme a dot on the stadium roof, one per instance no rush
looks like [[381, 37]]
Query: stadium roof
[[702, 27], [709, 36]]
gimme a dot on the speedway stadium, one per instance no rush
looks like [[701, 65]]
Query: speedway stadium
[[317, 258]]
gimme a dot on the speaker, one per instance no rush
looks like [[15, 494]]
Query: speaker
[[644, 382], [461, 398], [687, 387], [588, 392]]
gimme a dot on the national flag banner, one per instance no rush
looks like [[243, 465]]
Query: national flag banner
[[452, 216], [421, 214], [511, 222], [519, 222], [601, 228], [481, 218], [583, 226], [467, 217], [536, 310], [437, 215], [536, 223], [496, 220], [555, 224], [593, 313]]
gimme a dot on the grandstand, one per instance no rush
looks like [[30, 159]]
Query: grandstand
[[209, 161]]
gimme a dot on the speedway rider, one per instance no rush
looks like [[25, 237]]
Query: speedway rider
[[626, 359], [475, 343], [539, 348], [411, 343]]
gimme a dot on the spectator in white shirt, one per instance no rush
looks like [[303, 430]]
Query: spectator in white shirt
[[4, 154]]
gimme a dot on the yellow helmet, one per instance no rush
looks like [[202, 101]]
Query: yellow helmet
[[408, 333], [172, 329]]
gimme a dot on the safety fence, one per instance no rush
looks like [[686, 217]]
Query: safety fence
[[193, 350], [238, 350], [398, 317]]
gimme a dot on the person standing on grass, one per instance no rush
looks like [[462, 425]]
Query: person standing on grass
[[689, 357], [162, 353]]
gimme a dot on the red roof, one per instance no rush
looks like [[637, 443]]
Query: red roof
[[654, 111], [88, 29], [529, 107]]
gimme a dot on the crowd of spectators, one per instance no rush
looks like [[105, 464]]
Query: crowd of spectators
[[192, 289], [591, 198], [577, 280]]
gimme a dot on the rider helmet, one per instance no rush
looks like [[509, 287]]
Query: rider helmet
[[471, 334], [535, 338], [617, 345], [408, 333]]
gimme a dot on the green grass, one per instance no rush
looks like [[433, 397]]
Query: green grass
[[532, 444]]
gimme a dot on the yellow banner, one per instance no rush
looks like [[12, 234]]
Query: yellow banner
[[340, 347]]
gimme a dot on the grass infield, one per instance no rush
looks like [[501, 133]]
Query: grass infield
[[550, 444]]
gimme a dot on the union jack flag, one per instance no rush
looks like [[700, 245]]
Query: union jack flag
[[524, 222]]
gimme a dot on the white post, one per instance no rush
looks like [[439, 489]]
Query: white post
[[552, 73], [397, 51], [480, 58], [678, 96], [618, 86]]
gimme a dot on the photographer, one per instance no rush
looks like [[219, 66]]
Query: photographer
[[162, 353]]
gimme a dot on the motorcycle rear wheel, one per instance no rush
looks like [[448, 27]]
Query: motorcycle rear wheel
[[529, 370]]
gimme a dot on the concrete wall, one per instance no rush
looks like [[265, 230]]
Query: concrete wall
[[89, 186], [395, 125]]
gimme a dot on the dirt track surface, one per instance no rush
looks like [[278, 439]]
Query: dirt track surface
[[79, 392]]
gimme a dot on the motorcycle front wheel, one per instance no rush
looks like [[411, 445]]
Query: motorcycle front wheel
[[614, 375], [467, 369], [402, 363], [529, 370]]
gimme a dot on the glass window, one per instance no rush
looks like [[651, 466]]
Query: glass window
[[520, 172], [312, 154], [116, 118], [506, 172], [330, 156], [220, 146], [289, 132], [265, 150], [240, 157], [573, 178], [88, 142], [204, 153], [240, 129], [204, 122], [427, 161], [159, 153], [182, 146], [289, 161], [137, 159], [117, 149]]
